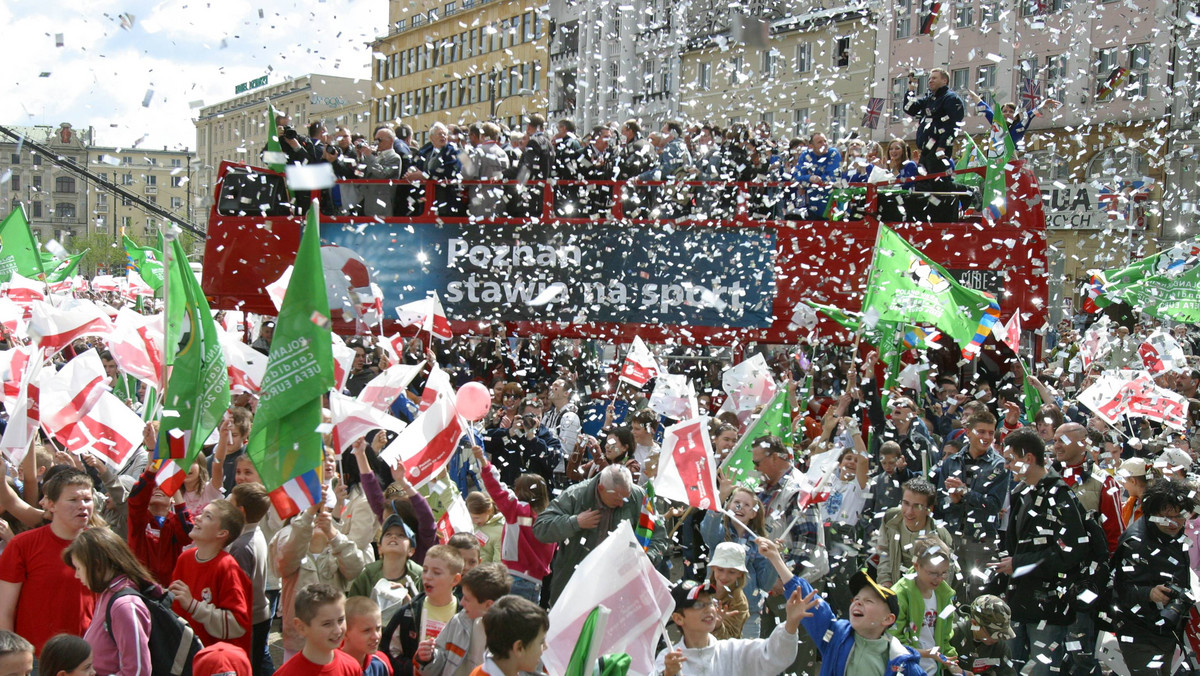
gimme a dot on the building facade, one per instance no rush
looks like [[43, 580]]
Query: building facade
[[235, 130], [55, 200], [798, 74], [458, 62], [162, 177]]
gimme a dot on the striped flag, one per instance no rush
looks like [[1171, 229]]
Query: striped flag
[[645, 528], [874, 112], [170, 477], [297, 494]]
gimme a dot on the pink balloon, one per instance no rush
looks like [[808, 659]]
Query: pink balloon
[[474, 400]]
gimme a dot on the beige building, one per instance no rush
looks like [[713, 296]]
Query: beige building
[[460, 61], [56, 200], [235, 130], [161, 177], [809, 75]]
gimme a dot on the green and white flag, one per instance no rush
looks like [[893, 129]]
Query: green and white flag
[[148, 262], [775, 419], [18, 251]]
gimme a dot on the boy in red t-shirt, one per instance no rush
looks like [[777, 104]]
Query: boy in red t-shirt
[[364, 628], [321, 619], [157, 533], [39, 593], [211, 590]]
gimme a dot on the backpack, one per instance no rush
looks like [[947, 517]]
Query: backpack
[[173, 644]]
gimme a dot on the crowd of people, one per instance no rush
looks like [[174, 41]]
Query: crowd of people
[[960, 531]]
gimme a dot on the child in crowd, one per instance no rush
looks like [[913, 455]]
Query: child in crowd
[[320, 617], [199, 488], [516, 637], [395, 579], [311, 550], [363, 630], [468, 548], [727, 575], [860, 645], [926, 617], [981, 635], [250, 551], [65, 655], [427, 615], [460, 645], [528, 558], [212, 593], [489, 525], [157, 532], [885, 489], [221, 659], [748, 513], [699, 652], [16, 655]]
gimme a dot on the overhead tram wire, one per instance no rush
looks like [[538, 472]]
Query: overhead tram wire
[[70, 165]]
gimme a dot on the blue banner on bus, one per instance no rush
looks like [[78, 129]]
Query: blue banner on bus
[[595, 272]]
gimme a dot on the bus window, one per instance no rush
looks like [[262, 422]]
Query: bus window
[[246, 193]]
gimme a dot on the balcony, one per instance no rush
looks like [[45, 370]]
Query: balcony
[[150, 190]]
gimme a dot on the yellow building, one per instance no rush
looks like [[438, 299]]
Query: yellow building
[[55, 199], [812, 74], [460, 61], [162, 177]]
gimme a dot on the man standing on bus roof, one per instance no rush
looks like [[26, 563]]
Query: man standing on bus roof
[[940, 115], [381, 162]]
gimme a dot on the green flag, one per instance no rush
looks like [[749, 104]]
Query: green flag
[[147, 262], [197, 392], [61, 270], [849, 320], [1165, 284], [1033, 402], [584, 656], [18, 250], [285, 442], [274, 156], [776, 419], [906, 286]]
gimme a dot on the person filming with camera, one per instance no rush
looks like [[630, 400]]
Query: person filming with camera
[[1151, 580]]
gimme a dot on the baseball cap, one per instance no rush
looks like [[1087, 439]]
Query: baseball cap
[[861, 579], [1132, 467], [729, 555], [394, 521], [221, 659], [687, 594], [993, 615], [269, 324], [1173, 458]]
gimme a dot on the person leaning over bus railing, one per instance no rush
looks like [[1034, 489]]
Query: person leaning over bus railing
[[379, 162], [438, 160]]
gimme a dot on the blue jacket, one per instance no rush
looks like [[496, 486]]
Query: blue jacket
[[835, 638], [987, 481]]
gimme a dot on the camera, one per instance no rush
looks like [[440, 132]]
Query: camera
[[529, 422], [1176, 610], [289, 133]]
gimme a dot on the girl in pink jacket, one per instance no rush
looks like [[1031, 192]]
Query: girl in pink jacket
[[527, 558]]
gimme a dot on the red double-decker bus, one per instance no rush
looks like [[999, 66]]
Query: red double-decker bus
[[663, 270]]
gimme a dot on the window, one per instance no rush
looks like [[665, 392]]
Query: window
[[735, 74], [127, 222], [614, 77], [841, 54], [126, 202], [768, 63], [101, 199], [176, 202], [903, 19], [432, 15], [1106, 64], [1056, 76], [1139, 76], [15, 158], [704, 76], [989, 11], [449, 9], [37, 181], [176, 162], [15, 181], [37, 160], [418, 19], [800, 121], [899, 87], [35, 209], [177, 181], [964, 13], [128, 161], [985, 84], [804, 57], [64, 184], [837, 119], [64, 210], [151, 179], [401, 25], [102, 222], [768, 119], [960, 80], [1040, 7]]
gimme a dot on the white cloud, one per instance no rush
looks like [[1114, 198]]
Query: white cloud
[[184, 51]]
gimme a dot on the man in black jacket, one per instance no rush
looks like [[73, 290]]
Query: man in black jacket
[[1150, 564], [940, 114], [1047, 544], [534, 168]]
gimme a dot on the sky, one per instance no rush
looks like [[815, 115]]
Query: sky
[[139, 70]]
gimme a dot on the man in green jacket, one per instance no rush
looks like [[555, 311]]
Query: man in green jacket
[[583, 515]]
